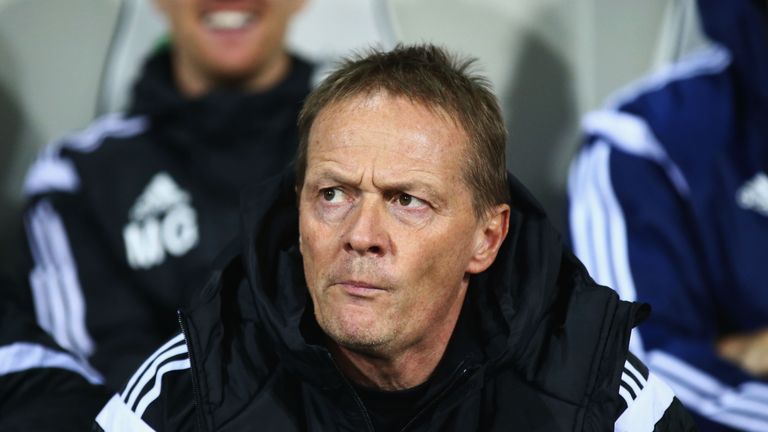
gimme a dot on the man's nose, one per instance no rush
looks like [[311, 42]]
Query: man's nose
[[367, 233]]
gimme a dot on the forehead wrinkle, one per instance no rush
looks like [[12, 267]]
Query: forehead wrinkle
[[337, 171], [393, 179], [418, 132]]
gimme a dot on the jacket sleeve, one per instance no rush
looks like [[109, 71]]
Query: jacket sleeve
[[158, 397], [43, 387], [647, 402], [632, 227], [80, 293]]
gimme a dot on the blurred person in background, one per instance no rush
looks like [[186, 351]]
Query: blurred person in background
[[42, 387], [124, 218], [669, 205]]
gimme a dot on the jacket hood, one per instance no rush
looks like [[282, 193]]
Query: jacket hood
[[521, 300], [538, 314], [512, 295]]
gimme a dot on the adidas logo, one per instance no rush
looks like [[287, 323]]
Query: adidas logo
[[161, 222], [161, 195], [753, 195]]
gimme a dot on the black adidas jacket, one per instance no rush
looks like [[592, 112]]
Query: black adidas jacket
[[42, 387], [125, 217], [545, 348]]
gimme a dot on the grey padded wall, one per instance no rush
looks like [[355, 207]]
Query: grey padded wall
[[138, 28], [51, 55], [680, 33], [326, 30]]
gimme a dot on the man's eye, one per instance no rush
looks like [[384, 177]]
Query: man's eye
[[332, 195], [406, 200]]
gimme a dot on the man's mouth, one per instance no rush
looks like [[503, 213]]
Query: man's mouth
[[228, 20], [360, 288]]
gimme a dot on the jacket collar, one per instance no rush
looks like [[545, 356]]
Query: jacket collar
[[224, 113], [527, 310], [509, 301]]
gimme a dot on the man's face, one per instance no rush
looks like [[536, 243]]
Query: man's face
[[388, 230], [228, 39]]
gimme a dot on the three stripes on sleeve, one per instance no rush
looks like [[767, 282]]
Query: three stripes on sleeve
[[125, 411], [645, 397]]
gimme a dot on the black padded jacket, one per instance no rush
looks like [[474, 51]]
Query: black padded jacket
[[546, 351]]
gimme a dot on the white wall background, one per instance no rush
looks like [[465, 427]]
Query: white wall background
[[51, 55]]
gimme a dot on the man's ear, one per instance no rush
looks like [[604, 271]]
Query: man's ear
[[297, 189], [490, 235]]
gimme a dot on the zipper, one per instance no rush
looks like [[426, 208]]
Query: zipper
[[358, 401], [460, 372], [199, 421]]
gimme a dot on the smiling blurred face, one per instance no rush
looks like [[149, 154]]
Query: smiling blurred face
[[388, 230], [228, 40]]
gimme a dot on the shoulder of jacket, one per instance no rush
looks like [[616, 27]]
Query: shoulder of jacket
[[648, 403], [708, 65], [23, 356], [158, 394], [646, 118], [54, 171]]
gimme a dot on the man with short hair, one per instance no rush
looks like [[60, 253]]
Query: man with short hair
[[125, 218], [416, 287]]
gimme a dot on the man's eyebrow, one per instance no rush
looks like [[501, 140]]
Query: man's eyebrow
[[333, 174], [407, 185]]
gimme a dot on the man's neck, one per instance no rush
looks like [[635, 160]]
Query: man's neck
[[193, 82], [400, 370]]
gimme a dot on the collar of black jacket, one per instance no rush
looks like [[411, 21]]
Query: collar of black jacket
[[512, 298], [536, 311]]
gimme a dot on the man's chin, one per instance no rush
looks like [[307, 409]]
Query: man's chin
[[233, 70], [357, 337], [363, 347]]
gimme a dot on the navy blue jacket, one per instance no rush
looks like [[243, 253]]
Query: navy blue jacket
[[669, 205]]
